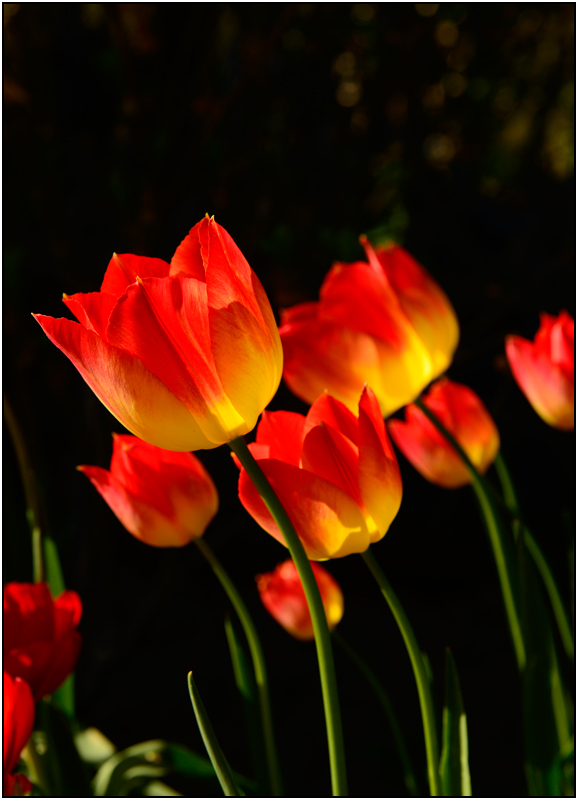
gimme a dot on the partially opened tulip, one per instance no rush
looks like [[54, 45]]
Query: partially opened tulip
[[544, 369], [164, 498], [18, 724], [463, 414], [185, 355], [284, 598], [386, 323], [335, 474], [41, 643]]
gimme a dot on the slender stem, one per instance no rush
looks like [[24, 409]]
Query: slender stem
[[497, 535], [419, 671], [511, 500], [322, 638], [258, 664], [33, 511], [381, 694]]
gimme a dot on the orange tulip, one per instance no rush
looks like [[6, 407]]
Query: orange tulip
[[335, 474], [41, 643], [386, 323], [186, 355], [464, 415], [284, 598], [18, 724], [544, 369], [164, 498]]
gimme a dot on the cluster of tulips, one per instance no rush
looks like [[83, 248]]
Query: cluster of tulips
[[187, 356]]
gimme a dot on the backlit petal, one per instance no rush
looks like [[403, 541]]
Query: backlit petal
[[136, 397], [124, 270], [282, 433], [327, 520], [92, 310], [328, 410], [331, 455]]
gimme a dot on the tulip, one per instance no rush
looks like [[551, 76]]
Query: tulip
[[335, 474], [18, 724], [284, 598], [41, 643], [163, 498], [463, 414], [186, 355], [386, 323], [544, 369]]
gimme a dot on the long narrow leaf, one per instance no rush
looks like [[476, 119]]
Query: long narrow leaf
[[218, 760], [454, 764]]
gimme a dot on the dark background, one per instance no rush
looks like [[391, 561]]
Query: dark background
[[300, 127]]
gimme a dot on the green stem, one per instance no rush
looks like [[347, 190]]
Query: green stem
[[33, 511], [419, 672], [381, 694], [322, 638], [258, 664], [511, 500], [498, 538]]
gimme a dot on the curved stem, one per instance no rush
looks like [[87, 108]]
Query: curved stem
[[381, 694], [419, 671], [258, 664], [322, 638], [499, 540], [538, 557], [33, 511]]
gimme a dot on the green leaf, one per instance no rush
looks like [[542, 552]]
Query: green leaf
[[169, 757], [546, 724], [245, 680], [454, 765], [220, 763], [93, 746], [52, 565]]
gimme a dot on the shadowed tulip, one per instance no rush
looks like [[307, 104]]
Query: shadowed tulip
[[544, 369], [284, 598], [463, 414], [18, 724], [185, 355], [164, 498], [41, 643], [335, 474], [386, 323]]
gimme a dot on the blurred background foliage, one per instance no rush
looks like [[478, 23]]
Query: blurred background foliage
[[449, 128]]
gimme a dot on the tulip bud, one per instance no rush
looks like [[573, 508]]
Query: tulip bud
[[41, 643], [463, 415], [386, 323], [164, 498], [544, 369], [185, 355], [18, 724], [284, 598], [335, 474]]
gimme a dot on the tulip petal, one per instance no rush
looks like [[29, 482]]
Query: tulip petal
[[124, 270], [32, 602], [61, 665], [327, 520], [188, 257], [135, 396], [326, 409], [282, 433], [92, 310], [422, 300], [67, 613], [140, 519], [545, 385], [332, 456], [164, 323], [379, 477], [18, 719]]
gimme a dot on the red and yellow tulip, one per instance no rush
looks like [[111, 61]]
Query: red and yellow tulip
[[185, 355], [18, 724], [463, 414], [283, 596], [544, 369], [335, 474], [163, 498], [384, 322], [41, 643]]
